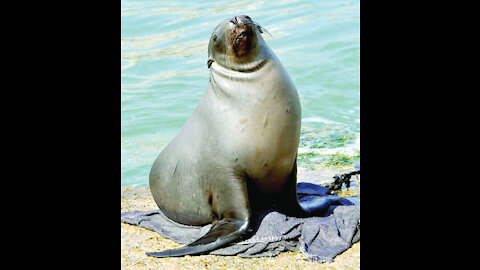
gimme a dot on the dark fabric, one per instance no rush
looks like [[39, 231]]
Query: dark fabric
[[319, 238]]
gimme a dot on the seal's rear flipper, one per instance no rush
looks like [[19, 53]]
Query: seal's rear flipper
[[319, 206], [314, 207]]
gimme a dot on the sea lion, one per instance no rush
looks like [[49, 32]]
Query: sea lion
[[238, 150]]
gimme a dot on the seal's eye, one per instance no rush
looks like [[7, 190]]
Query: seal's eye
[[214, 39], [248, 18]]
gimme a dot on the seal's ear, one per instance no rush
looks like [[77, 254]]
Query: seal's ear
[[209, 62]]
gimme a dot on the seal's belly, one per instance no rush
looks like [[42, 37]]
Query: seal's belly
[[269, 145]]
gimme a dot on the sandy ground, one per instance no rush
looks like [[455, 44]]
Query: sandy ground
[[136, 241]]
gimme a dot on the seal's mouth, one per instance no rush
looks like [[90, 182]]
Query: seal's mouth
[[240, 37], [242, 40]]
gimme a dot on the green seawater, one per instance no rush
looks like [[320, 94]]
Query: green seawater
[[164, 73]]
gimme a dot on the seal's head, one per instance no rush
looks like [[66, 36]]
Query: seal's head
[[237, 44]]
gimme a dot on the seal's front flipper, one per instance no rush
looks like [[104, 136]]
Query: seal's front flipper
[[222, 233], [231, 214]]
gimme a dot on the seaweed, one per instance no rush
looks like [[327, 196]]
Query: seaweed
[[307, 160]]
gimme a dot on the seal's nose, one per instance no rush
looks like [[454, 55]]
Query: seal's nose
[[240, 20]]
